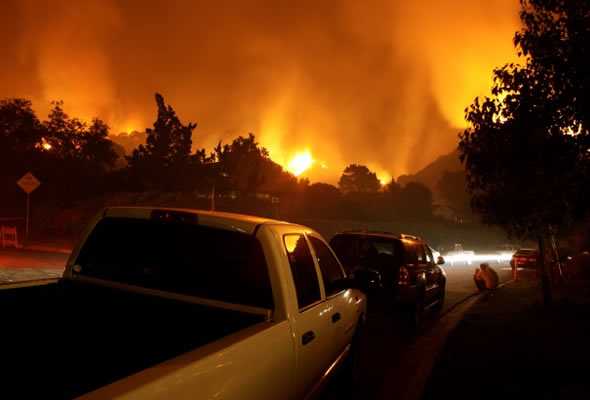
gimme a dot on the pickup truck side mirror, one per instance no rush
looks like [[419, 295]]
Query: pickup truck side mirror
[[440, 260]]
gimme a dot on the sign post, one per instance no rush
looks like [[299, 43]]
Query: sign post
[[28, 183]]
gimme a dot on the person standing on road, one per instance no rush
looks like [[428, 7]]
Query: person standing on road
[[485, 277]]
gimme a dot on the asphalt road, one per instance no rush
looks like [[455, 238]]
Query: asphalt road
[[388, 341], [460, 280], [22, 265]]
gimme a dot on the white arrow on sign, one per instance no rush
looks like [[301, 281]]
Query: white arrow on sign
[[28, 183]]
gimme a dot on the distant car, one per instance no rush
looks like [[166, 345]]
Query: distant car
[[524, 258], [400, 267], [458, 255]]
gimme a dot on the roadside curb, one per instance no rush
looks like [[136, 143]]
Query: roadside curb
[[420, 358]]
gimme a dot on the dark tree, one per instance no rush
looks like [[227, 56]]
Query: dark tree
[[76, 156], [322, 200], [453, 188], [525, 152], [414, 201], [20, 139], [243, 162], [64, 134], [85, 147], [393, 189], [165, 160], [20, 130], [556, 42], [358, 179]]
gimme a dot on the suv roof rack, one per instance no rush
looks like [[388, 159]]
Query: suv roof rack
[[401, 235], [411, 237], [367, 231]]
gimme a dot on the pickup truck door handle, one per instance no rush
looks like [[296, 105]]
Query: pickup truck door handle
[[307, 337], [336, 317]]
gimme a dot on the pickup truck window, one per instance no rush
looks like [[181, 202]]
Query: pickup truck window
[[331, 271], [179, 257], [303, 270]]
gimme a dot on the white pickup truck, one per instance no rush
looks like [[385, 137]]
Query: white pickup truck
[[178, 304]]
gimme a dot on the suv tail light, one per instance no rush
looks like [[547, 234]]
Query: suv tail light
[[404, 276]]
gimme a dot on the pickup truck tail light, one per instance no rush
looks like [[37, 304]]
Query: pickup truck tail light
[[403, 276]]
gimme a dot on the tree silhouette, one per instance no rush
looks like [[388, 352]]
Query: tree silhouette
[[84, 146], [556, 42], [453, 188], [20, 136], [525, 151], [322, 200], [165, 159], [20, 130], [358, 179], [243, 161], [415, 201]]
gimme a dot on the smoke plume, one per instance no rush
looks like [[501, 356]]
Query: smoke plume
[[381, 83]]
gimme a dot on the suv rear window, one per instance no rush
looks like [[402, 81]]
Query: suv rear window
[[347, 249], [363, 250], [179, 257]]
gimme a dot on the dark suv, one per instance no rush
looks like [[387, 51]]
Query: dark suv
[[398, 268]]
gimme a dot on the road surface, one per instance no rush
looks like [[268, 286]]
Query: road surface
[[460, 280], [387, 341], [23, 265]]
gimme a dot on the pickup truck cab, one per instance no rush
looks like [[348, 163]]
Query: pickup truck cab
[[174, 303]]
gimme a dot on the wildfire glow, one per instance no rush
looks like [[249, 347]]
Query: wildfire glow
[[300, 163], [384, 178], [45, 144]]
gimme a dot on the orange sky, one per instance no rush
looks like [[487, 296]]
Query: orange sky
[[382, 83]]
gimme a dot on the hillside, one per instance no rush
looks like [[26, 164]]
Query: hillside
[[431, 174]]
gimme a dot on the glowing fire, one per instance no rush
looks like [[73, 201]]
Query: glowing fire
[[384, 177], [300, 163], [45, 144]]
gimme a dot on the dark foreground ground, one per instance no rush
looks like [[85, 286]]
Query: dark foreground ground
[[508, 346]]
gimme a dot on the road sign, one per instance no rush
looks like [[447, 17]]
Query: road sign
[[28, 183]]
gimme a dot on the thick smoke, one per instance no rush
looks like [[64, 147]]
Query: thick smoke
[[382, 83]]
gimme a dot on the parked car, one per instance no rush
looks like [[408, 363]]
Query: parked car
[[397, 267], [178, 304], [524, 258]]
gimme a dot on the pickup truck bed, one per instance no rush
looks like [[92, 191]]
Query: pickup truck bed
[[64, 339]]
